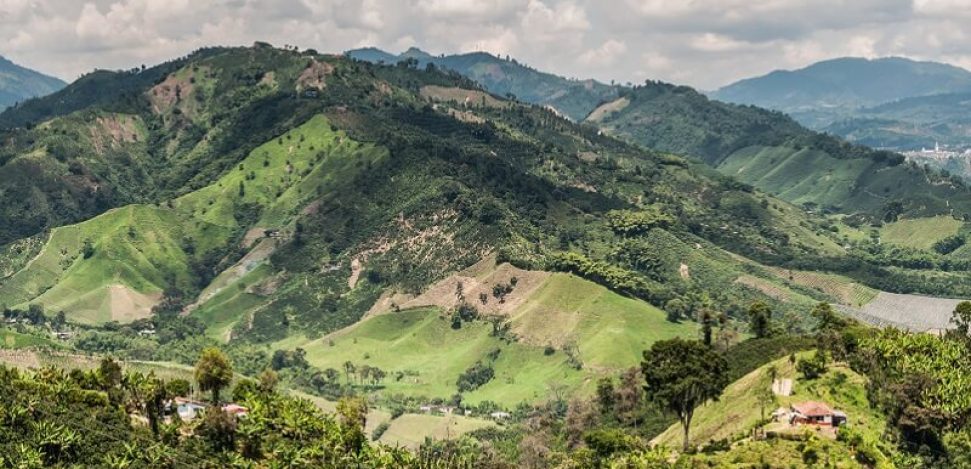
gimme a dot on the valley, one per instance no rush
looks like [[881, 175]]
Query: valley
[[462, 257]]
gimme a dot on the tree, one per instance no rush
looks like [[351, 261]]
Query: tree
[[961, 318], [213, 372], [814, 367], [348, 370], [353, 419], [680, 375], [605, 395], [759, 318], [826, 318], [676, 309], [707, 320], [268, 380]]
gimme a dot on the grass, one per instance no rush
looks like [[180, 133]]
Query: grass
[[138, 247], [781, 170], [920, 233], [10, 339], [609, 330], [410, 430]]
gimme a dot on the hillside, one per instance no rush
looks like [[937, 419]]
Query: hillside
[[18, 84], [773, 153], [737, 412], [846, 83], [911, 124], [572, 98]]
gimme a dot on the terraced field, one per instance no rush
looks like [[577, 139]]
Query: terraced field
[[843, 289], [913, 312]]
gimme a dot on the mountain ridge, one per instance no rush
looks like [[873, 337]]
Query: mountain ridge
[[18, 83]]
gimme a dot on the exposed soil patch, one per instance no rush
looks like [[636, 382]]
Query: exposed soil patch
[[128, 305], [171, 92], [314, 76], [448, 294], [112, 131]]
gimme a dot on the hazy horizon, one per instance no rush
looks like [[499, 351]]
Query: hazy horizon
[[702, 43]]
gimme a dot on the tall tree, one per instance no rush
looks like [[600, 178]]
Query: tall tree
[[213, 372], [760, 317], [680, 375]]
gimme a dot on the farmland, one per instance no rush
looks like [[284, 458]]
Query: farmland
[[914, 312]]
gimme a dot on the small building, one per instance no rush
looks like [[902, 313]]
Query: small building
[[815, 413], [500, 415], [146, 332], [64, 335], [446, 410], [427, 408], [235, 410]]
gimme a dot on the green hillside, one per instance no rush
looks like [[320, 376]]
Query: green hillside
[[773, 153], [606, 329]]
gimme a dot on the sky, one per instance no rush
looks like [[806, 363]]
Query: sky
[[702, 43]]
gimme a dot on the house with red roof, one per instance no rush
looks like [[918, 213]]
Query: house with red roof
[[815, 413]]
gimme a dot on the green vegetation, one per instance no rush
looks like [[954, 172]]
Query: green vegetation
[[921, 233]]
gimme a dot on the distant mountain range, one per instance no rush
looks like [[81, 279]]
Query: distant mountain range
[[19, 83], [892, 102], [504, 76]]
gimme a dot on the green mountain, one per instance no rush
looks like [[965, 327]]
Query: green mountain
[[846, 83], [891, 103], [321, 210], [572, 98], [18, 84], [774, 153]]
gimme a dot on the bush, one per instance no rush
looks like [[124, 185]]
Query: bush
[[379, 430], [814, 367], [474, 377]]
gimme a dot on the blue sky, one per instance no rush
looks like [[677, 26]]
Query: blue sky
[[703, 43]]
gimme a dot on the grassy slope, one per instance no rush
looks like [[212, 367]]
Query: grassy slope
[[141, 247], [609, 330], [737, 411], [137, 246], [920, 233]]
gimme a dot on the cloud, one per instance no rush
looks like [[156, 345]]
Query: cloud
[[704, 43]]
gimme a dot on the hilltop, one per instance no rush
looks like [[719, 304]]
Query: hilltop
[[506, 76], [18, 84]]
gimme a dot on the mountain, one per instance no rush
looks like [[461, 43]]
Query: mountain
[[572, 98], [893, 103], [846, 83], [397, 232], [910, 123], [18, 84], [774, 153], [250, 185]]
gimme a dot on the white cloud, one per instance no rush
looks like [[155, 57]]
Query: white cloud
[[704, 43]]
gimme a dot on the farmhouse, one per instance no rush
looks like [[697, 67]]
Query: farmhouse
[[815, 413]]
